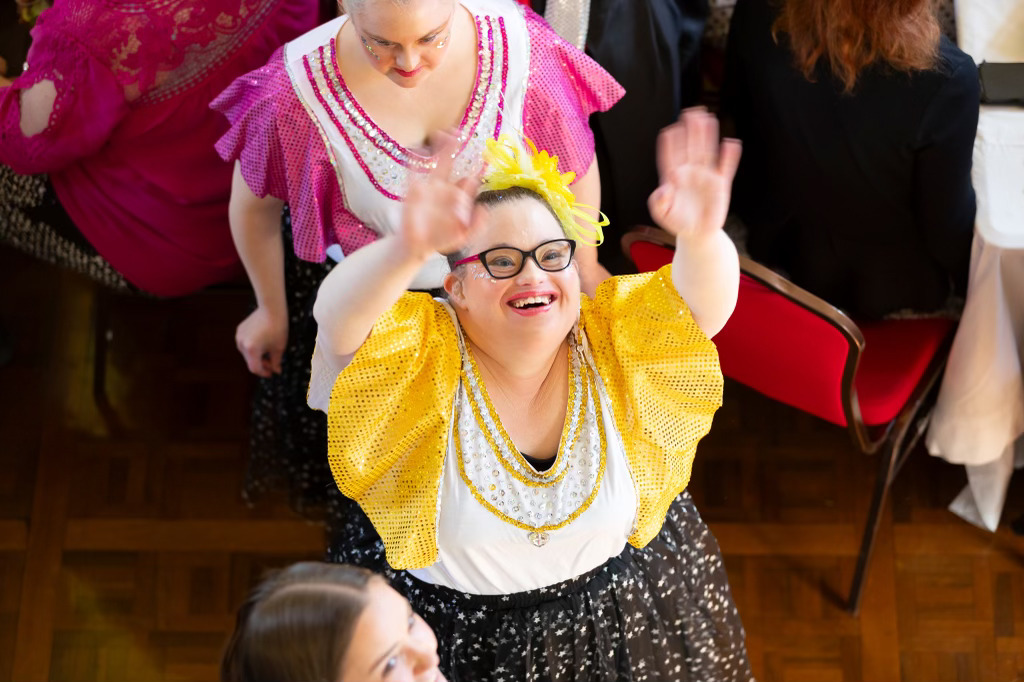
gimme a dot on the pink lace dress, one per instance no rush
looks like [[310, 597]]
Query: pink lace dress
[[300, 135], [129, 142]]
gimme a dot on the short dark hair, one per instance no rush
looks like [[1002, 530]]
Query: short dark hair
[[493, 197], [296, 626]]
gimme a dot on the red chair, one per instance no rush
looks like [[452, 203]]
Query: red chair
[[784, 342]]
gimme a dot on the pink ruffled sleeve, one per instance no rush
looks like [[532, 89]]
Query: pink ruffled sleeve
[[88, 106], [564, 88], [283, 155]]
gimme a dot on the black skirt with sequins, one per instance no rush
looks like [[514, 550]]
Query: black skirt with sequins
[[659, 613], [33, 221], [288, 439]]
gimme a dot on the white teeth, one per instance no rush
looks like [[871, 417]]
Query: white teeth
[[522, 302]]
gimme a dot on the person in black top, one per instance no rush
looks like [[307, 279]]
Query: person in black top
[[858, 131], [651, 47]]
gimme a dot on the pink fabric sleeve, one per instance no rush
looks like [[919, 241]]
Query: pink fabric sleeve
[[89, 103], [283, 155], [564, 88]]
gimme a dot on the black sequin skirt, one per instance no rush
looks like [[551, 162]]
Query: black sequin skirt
[[288, 439], [33, 221], [664, 612]]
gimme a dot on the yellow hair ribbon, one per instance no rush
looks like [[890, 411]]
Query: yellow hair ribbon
[[510, 165]]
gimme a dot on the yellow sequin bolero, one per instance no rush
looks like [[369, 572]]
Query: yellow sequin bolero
[[390, 411]]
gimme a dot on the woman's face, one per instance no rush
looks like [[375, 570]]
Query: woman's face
[[534, 306], [390, 643], [404, 40]]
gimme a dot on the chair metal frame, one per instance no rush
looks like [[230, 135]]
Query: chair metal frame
[[888, 440]]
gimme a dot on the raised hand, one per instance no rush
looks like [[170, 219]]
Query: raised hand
[[438, 215], [696, 173]]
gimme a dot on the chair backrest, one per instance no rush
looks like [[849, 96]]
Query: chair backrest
[[786, 351], [781, 340]]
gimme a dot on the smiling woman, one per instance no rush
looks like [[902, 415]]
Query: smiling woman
[[329, 623], [523, 450], [337, 125]]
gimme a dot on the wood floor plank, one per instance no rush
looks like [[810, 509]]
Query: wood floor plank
[[880, 634], [795, 539], [42, 562], [13, 536], [111, 535]]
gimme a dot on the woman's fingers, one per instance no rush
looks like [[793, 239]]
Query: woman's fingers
[[701, 136], [469, 185], [694, 141], [671, 149], [254, 361], [273, 360], [729, 159]]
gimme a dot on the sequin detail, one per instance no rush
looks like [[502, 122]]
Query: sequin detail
[[663, 382], [29, 211], [494, 432], [505, 484], [386, 163]]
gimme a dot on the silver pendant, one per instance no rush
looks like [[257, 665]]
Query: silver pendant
[[539, 538]]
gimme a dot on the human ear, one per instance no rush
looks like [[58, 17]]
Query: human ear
[[453, 287]]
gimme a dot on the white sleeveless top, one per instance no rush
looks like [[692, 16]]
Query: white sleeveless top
[[502, 526], [373, 169]]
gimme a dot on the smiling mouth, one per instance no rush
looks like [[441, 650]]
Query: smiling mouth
[[529, 302], [407, 74]]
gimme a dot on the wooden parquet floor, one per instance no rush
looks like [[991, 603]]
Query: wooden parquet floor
[[124, 553]]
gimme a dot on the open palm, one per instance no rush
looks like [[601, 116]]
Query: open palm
[[696, 173], [439, 214]]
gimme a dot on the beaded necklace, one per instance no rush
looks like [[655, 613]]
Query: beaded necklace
[[498, 475]]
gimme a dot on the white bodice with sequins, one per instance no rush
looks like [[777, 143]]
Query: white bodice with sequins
[[373, 170], [502, 526]]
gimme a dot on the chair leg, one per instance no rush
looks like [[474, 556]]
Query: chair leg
[[886, 473]]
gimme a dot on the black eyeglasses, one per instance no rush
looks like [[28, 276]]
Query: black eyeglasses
[[503, 262]]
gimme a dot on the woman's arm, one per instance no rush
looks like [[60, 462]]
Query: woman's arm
[[437, 216], [588, 191], [692, 201], [62, 109], [944, 202], [256, 229]]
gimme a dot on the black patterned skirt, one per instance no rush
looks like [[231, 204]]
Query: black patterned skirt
[[288, 439], [659, 613]]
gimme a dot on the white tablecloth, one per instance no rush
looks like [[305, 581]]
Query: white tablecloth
[[980, 409], [979, 417]]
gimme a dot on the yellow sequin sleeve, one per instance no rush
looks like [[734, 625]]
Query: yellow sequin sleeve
[[663, 380], [388, 425]]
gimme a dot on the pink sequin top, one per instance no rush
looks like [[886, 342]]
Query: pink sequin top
[[129, 145], [303, 137]]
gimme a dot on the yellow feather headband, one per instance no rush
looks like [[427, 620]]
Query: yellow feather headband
[[510, 165]]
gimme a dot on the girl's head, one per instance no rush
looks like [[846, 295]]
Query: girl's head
[[499, 292], [403, 39], [316, 622], [850, 35]]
